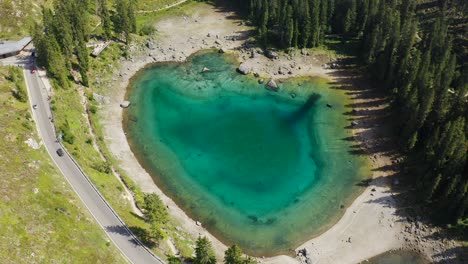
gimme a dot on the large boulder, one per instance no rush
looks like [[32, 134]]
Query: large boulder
[[244, 69], [125, 104], [272, 85], [271, 54]]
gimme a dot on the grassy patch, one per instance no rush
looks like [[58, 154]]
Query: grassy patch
[[16, 17], [337, 46], [70, 114], [154, 4], [100, 77], [41, 218], [183, 9]]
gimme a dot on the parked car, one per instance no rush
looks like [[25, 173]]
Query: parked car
[[35, 106], [33, 70], [60, 152]]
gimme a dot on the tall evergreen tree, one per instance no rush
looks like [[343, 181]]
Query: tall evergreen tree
[[105, 19], [233, 255], [204, 253]]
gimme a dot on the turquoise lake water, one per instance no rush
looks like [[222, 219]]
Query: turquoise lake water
[[265, 170]]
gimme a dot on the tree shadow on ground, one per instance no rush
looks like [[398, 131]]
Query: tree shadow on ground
[[372, 129], [231, 12], [142, 235]]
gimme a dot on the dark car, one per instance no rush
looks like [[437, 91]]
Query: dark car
[[60, 152]]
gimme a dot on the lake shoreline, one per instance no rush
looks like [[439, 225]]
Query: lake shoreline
[[338, 195], [364, 223]]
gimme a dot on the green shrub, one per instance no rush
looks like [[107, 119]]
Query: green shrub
[[27, 125], [67, 136], [173, 260], [103, 167], [147, 29], [16, 77], [93, 109]]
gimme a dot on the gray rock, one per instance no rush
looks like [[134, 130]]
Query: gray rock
[[271, 54], [261, 81], [205, 69], [222, 50], [150, 45], [125, 104], [243, 69], [354, 123], [217, 42], [272, 85], [256, 74]]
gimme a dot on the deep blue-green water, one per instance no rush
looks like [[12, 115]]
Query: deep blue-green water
[[266, 170]]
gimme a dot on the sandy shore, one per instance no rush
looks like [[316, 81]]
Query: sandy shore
[[370, 226]]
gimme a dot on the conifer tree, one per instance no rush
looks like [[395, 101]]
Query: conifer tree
[[204, 252], [105, 18]]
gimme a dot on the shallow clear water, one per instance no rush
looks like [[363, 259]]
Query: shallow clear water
[[266, 170], [398, 257]]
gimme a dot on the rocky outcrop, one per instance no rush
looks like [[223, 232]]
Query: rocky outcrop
[[304, 256]]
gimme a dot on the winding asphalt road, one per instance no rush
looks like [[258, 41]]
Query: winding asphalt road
[[116, 230]]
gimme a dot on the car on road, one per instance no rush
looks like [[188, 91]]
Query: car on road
[[60, 152], [35, 106], [33, 70]]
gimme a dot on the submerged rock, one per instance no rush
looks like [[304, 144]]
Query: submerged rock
[[243, 69], [205, 69], [272, 85]]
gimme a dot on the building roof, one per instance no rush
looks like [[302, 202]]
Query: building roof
[[7, 47]]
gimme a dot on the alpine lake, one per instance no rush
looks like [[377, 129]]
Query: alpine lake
[[264, 169]]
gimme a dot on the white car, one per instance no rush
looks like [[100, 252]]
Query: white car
[[35, 106]]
